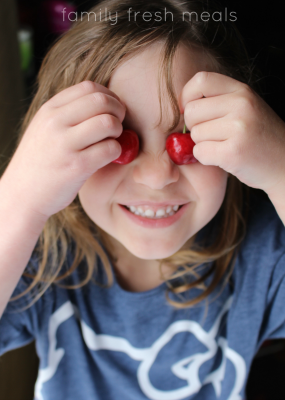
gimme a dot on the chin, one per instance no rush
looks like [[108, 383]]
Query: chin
[[152, 251]]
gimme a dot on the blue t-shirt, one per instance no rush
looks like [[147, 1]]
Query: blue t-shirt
[[108, 343]]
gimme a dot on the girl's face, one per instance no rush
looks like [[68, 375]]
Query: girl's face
[[152, 181]]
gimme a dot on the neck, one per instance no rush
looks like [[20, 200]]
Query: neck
[[135, 274]]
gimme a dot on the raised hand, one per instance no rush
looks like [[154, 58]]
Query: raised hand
[[235, 129], [71, 136]]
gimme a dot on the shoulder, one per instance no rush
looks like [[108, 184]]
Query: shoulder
[[38, 284], [260, 259], [264, 229]]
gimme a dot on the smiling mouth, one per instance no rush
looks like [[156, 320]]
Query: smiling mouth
[[163, 212]]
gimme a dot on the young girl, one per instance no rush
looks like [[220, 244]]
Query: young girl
[[89, 248]]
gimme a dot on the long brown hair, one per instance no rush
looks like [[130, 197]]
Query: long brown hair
[[91, 51]]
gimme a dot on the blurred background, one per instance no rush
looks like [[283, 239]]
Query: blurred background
[[27, 29]]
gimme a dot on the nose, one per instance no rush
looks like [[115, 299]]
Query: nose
[[155, 171]]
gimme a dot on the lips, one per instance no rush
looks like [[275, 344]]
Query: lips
[[146, 222]]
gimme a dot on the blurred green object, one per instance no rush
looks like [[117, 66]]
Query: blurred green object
[[25, 38]]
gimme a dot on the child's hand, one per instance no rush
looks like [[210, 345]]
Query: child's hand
[[234, 129], [63, 146]]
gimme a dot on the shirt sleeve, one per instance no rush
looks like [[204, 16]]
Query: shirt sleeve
[[26, 319], [18, 321], [14, 332], [273, 326]]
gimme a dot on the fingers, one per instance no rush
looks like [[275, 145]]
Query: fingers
[[99, 155], [93, 130], [76, 91], [89, 114], [217, 130], [209, 153], [207, 109], [83, 108], [208, 84]]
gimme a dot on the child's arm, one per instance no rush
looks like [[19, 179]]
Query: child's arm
[[69, 139], [235, 129], [19, 232]]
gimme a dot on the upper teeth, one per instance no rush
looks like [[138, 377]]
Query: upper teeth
[[146, 211]]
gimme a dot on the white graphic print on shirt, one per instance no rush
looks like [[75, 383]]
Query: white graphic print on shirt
[[186, 369]]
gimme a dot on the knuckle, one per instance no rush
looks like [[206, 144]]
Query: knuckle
[[190, 111], [108, 121], [80, 163], [247, 90], [245, 103], [87, 86], [101, 98], [47, 105], [112, 146], [190, 108], [51, 121], [201, 77], [238, 125]]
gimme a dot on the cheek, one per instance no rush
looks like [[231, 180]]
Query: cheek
[[98, 191], [210, 185]]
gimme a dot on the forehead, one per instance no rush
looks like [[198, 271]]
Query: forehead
[[135, 81], [146, 65]]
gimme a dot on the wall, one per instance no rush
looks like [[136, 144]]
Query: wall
[[18, 368]]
